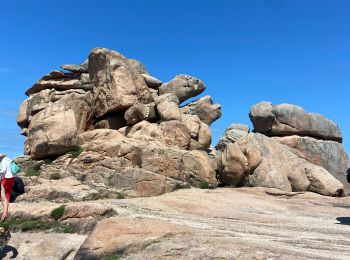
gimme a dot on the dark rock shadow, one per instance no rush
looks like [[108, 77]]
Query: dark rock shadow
[[7, 250], [343, 220]]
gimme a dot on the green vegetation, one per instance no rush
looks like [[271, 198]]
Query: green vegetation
[[55, 176], [69, 229], [30, 224], [204, 185], [120, 196], [78, 150], [25, 224], [112, 257], [31, 171], [58, 212]]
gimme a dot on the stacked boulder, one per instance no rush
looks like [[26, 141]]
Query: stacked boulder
[[135, 136], [310, 136], [289, 149]]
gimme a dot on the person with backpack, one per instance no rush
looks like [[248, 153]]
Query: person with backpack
[[7, 171]]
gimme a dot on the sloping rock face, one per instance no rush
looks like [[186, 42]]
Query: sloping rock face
[[244, 223], [111, 126], [310, 136]]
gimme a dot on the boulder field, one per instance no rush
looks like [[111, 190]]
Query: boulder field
[[103, 134]]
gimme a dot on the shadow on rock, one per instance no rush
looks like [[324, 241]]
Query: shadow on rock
[[344, 220], [7, 250]]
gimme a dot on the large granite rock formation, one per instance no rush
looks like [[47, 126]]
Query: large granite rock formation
[[115, 128], [258, 161], [111, 126], [312, 137]]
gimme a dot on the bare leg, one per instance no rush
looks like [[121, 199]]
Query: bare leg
[[5, 204]]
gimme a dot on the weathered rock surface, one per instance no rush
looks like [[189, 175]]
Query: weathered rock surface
[[116, 85], [256, 160], [64, 189], [286, 119], [327, 154], [231, 135], [204, 109], [113, 165], [48, 136], [50, 246], [152, 82], [183, 86], [77, 68], [200, 132], [137, 66], [265, 224], [192, 224], [140, 112], [168, 107]]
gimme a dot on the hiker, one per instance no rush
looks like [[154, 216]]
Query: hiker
[[7, 181], [348, 175]]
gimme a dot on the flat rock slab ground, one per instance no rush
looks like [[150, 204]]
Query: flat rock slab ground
[[246, 223]]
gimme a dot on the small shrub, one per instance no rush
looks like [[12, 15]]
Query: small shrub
[[120, 196], [58, 212], [103, 195], [55, 176], [31, 171], [204, 185], [78, 150], [69, 229]]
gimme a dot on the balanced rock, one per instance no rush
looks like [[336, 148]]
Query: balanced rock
[[204, 109], [116, 85], [259, 161], [286, 119], [183, 86], [77, 68]]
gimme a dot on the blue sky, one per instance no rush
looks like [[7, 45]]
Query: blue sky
[[294, 51]]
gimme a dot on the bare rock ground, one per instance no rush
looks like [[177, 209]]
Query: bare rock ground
[[244, 223]]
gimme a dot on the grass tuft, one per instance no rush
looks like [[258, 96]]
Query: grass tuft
[[204, 185], [58, 212], [70, 229], [78, 150], [55, 176], [31, 171]]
